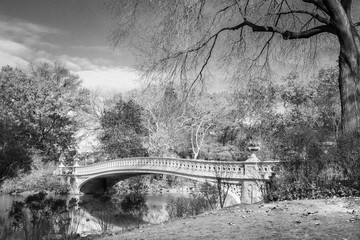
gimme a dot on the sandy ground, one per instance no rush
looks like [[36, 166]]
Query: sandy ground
[[337, 218]]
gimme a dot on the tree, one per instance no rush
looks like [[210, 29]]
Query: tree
[[123, 130], [327, 100], [40, 217], [163, 117], [14, 156], [135, 204], [199, 130], [179, 40], [43, 103], [271, 112]]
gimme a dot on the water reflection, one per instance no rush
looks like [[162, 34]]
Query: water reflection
[[5, 206], [94, 214]]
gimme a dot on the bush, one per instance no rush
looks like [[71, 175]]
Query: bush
[[347, 157], [135, 203], [280, 189], [38, 217], [103, 208], [183, 207], [39, 179], [311, 170], [210, 194]]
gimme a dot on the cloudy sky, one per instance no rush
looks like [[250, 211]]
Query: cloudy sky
[[73, 31]]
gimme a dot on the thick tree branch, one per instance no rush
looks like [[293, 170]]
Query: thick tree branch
[[318, 3], [287, 35], [313, 14], [347, 6], [338, 14]]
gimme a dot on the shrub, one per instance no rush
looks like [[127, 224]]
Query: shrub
[[347, 157], [41, 178], [210, 194], [288, 186], [183, 207], [135, 203], [311, 170], [103, 209], [38, 216]]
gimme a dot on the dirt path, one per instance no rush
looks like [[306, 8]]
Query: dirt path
[[306, 219]]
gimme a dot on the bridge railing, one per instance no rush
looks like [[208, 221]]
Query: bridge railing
[[191, 167]]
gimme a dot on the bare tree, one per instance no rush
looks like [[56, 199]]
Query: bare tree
[[199, 130], [184, 39], [222, 185]]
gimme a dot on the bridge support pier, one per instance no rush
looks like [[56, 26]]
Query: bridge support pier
[[72, 182], [252, 191]]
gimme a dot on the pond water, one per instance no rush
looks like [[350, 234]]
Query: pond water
[[89, 221]]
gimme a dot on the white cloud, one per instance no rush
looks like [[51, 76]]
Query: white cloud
[[14, 54], [22, 43], [26, 33], [100, 73], [110, 79], [78, 63], [11, 60]]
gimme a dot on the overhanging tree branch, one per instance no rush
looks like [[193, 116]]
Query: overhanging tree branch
[[312, 14], [347, 6], [318, 3], [287, 35]]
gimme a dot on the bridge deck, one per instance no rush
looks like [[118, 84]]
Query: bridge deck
[[200, 168]]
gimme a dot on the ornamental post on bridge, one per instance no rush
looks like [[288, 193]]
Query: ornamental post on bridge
[[61, 167], [76, 165], [73, 180], [253, 149], [252, 188]]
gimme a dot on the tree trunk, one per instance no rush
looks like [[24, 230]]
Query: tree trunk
[[349, 94], [349, 62]]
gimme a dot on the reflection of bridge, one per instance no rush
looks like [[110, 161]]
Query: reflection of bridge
[[246, 179]]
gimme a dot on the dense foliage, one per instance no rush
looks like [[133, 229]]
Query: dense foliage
[[40, 217], [39, 112], [43, 103], [292, 120], [135, 204], [14, 157], [185, 207], [123, 130]]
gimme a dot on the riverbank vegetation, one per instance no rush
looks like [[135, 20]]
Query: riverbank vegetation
[[40, 114], [40, 217], [40, 178]]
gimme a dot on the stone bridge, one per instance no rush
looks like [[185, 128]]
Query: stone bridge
[[245, 180]]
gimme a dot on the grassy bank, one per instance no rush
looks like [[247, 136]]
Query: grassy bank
[[336, 218]]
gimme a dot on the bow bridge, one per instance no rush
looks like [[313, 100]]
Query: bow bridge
[[245, 179]]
